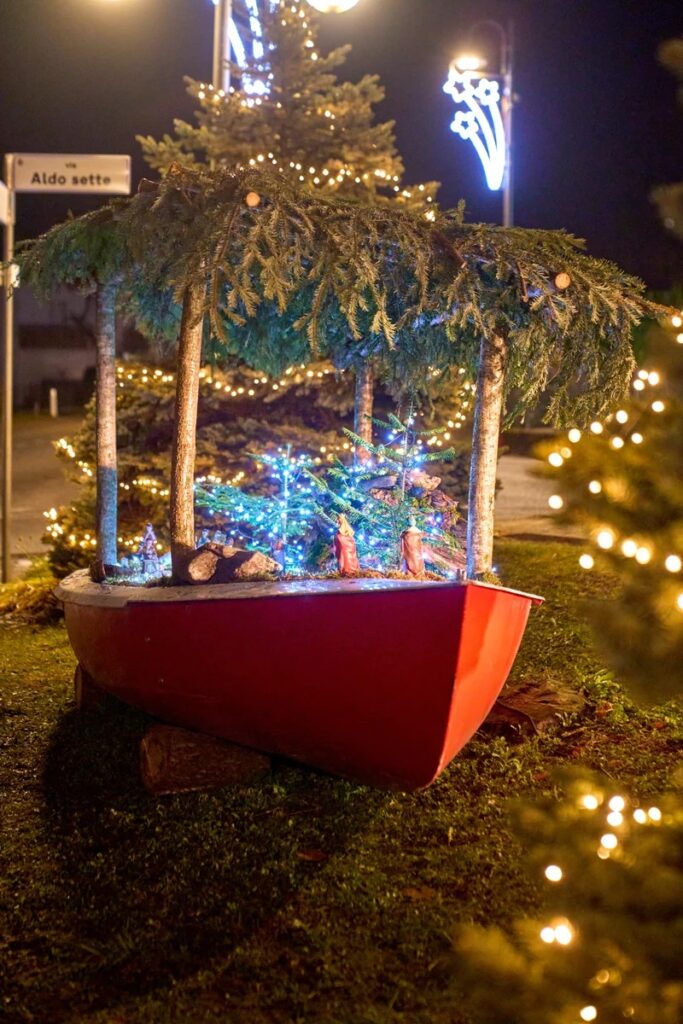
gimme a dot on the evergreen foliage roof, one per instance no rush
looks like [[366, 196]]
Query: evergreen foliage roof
[[303, 273]]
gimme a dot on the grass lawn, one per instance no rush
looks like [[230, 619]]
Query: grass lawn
[[301, 898]]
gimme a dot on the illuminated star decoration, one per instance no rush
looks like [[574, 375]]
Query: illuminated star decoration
[[482, 122]]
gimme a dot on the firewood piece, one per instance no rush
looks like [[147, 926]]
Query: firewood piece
[[87, 694], [174, 760]]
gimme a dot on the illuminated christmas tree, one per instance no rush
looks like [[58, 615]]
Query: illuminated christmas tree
[[390, 491], [622, 482], [278, 523], [607, 948]]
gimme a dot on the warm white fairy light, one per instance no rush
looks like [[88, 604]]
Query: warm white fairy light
[[637, 438], [586, 561], [617, 442], [640, 816], [605, 539], [595, 487], [673, 563], [629, 548], [555, 501], [553, 873], [588, 1013], [609, 841], [643, 555], [653, 378], [547, 934], [596, 427], [621, 416], [574, 435], [654, 814], [676, 320], [615, 819], [616, 803], [657, 406], [555, 459], [639, 385]]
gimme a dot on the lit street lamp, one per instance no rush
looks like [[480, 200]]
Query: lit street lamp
[[332, 6], [486, 117]]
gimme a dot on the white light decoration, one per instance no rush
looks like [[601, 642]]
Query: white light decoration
[[629, 548], [332, 6], [555, 459], [621, 416], [595, 486], [590, 801], [574, 435], [605, 539], [586, 561], [555, 501], [553, 873], [588, 1013], [596, 427], [673, 563], [617, 803], [481, 120]]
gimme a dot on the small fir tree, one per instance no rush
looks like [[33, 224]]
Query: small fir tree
[[623, 484], [277, 523], [385, 494]]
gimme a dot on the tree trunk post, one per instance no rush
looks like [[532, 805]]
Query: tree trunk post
[[185, 428], [105, 398], [363, 407], [488, 409]]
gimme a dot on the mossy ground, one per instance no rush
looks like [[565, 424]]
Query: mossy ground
[[302, 898]]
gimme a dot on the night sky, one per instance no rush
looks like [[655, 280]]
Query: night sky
[[596, 127]]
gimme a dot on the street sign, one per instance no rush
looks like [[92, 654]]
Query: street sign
[[5, 204], [69, 172]]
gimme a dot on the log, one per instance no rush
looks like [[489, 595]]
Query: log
[[87, 694], [174, 760]]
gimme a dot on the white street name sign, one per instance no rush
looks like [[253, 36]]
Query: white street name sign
[[69, 172]]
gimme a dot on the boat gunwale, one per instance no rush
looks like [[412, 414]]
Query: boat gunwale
[[79, 589]]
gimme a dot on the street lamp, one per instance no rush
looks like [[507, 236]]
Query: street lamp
[[332, 6], [486, 120]]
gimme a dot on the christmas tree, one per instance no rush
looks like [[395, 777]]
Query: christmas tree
[[289, 112], [277, 523], [390, 492], [607, 948], [622, 482]]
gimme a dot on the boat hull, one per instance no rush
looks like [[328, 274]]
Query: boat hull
[[379, 681]]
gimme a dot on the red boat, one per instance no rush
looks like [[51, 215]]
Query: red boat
[[381, 681]]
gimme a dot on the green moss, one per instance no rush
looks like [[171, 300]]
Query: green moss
[[301, 898]]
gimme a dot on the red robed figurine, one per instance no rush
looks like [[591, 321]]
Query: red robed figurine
[[411, 551], [345, 548]]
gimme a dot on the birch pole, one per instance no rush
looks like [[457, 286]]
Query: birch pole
[[488, 409], [105, 430], [185, 428], [363, 407]]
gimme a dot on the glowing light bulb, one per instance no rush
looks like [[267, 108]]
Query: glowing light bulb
[[555, 501], [609, 841], [640, 816], [605, 539], [590, 802], [639, 385], [643, 374], [676, 320], [637, 438], [629, 548], [679, 338], [596, 427], [555, 459], [621, 416], [654, 814], [673, 563], [615, 818], [617, 442], [547, 934], [653, 378], [643, 555], [564, 933], [679, 602], [617, 803], [586, 561], [588, 1013], [595, 487], [553, 873], [574, 435], [657, 406]]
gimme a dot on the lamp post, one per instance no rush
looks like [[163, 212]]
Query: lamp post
[[487, 119]]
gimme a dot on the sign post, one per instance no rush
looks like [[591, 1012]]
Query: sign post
[[85, 174]]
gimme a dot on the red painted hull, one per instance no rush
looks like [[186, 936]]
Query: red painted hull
[[379, 681]]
